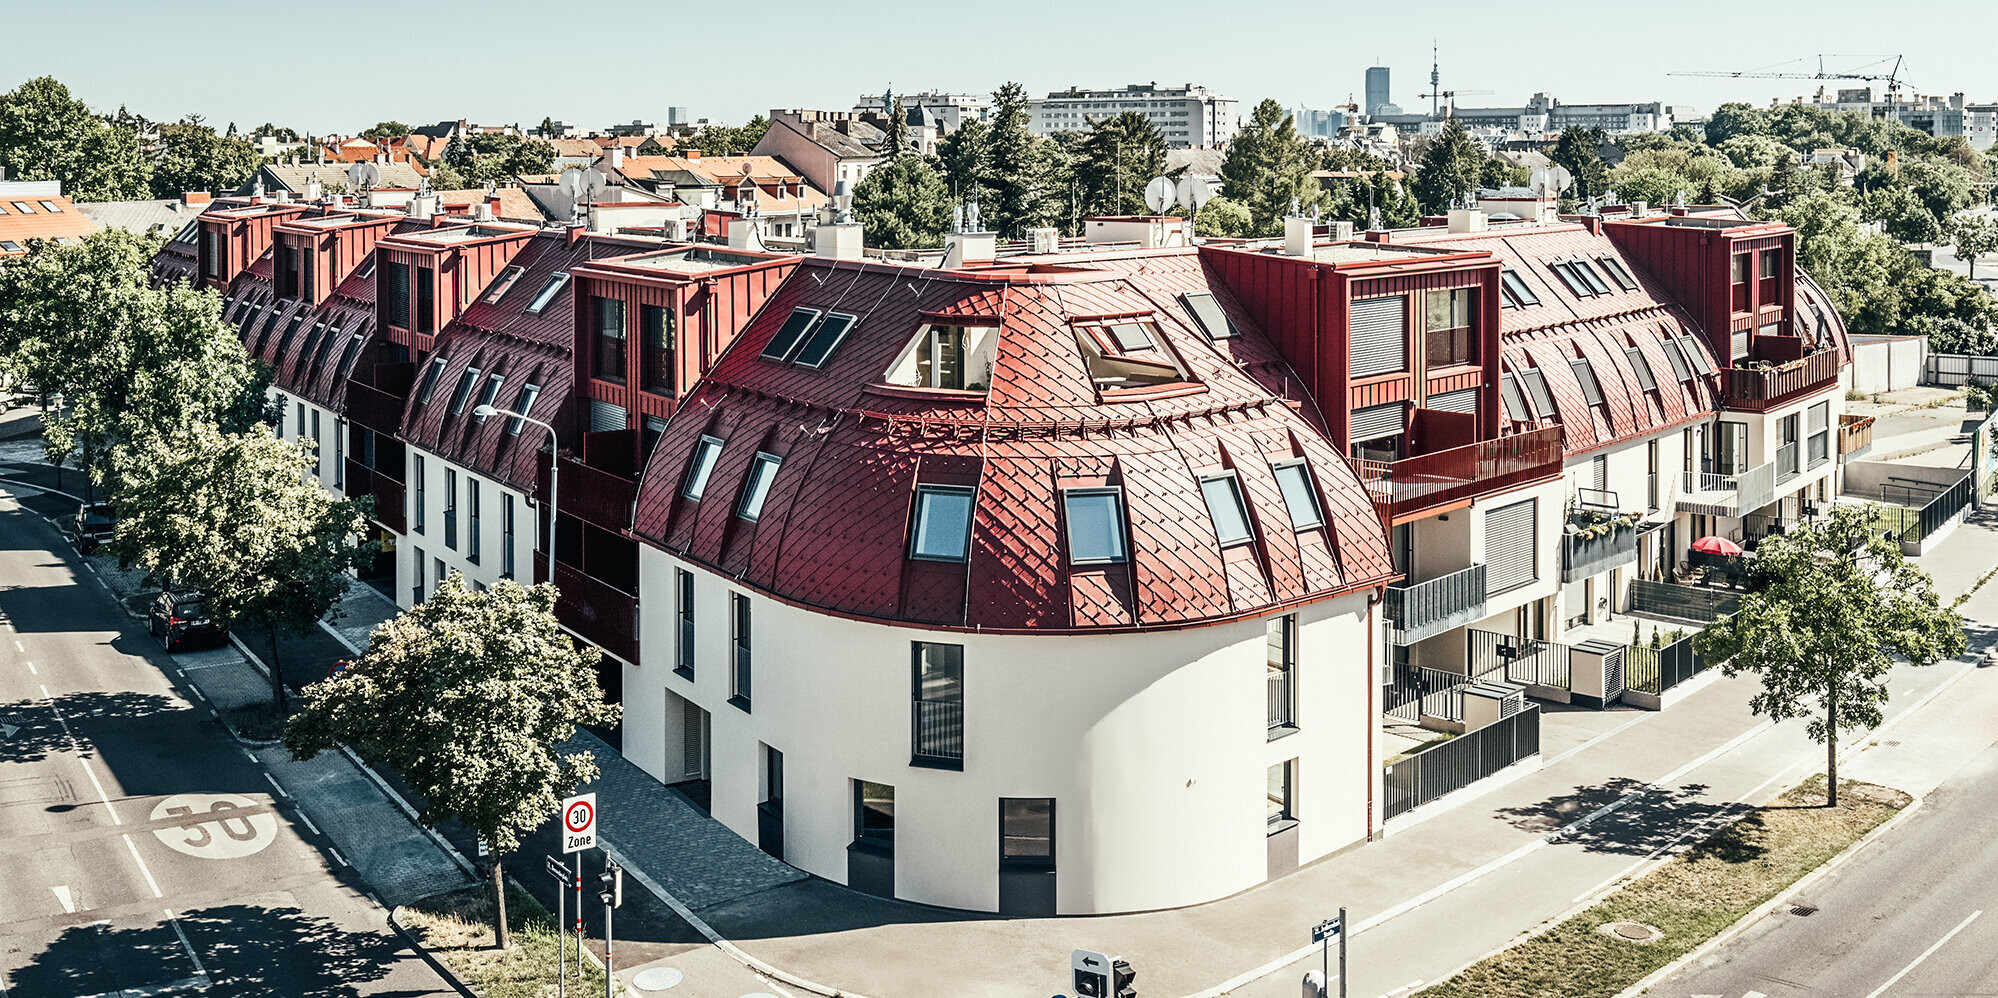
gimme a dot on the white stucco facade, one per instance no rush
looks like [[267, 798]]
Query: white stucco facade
[[477, 548]]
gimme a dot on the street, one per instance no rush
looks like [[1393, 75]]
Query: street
[[144, 849]]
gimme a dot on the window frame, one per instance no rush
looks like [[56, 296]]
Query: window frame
[[608, 338], [1011, 861], [846, 320], [1234, 487], [741, 674], [1308, 483], [701, 467], [921, 517], [1589, 276], [1619, 273], [1284, 815], [763, 468], [811, 318], [523, 402], [546, 296], [948, 667], [1118, 542], [683, 610]]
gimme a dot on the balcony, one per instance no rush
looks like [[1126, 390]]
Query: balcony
[[385, 491], [1595, 548], [1729, 495], [595, 496], [1402, 490], [1855, 437], [1421, 610], [1759, 389], [601, 614], [937, 734], [373, 408]]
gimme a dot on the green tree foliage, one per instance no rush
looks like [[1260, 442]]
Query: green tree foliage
[[1733, 119], [1027, 177], [1900, 211], [234, 515], [192, 157], [1222, 217], [964, 160], [1452, 166], [268, 130], [903, 204], [1878, 286], [1943, 188], [384, 132], [1976, 236], [1953, 335], [726, 140], [895, 138], [494, 157], [1117, 156], [45, 134], [1832, 606], [469, 696], [1268, 167], [1579, 151]]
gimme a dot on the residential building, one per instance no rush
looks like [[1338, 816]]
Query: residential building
[[947, 111], [33, 210], [1189, 116], [826, 147], [161, 217]]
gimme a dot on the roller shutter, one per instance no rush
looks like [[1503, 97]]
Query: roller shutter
[[605, 416], [1509, 551], [1379, 421], [1465, 400], [1379, 335]]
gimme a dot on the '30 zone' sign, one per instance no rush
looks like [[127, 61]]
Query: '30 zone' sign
[[579, 823]]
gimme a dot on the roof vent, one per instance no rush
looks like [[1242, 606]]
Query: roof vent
[[1297, 235], [1467, 220]]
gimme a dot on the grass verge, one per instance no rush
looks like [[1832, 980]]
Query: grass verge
[[457, 927], [1691, 899], [257, 722]]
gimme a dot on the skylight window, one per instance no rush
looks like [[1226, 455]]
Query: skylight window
[[1696, 355], [491, 391], [786, 341], [1590, 277], [943, 523], [1223, 493], [521, 404], [368, 269], [430, 381], [826, 337], [706, 453], [1566, 272], [1208, 313], [353, 347], [556, 282], [1294, 481], [1536, 386], [187, 234], [504, 284], [1514, 289], [1132, 336], [463, 393], [10, 246], [1584, 373], [1642, 367], [22, 207], [762, 471], [1514, 401], [1095, 525], [1618, 272], [3, 211], [325, 347], [51, 207], [1676, 356]]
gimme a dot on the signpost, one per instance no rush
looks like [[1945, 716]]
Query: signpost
[[560, 871], [579, 832], [1322, 934]]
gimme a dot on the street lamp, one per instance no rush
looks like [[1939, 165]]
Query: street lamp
[[485, 412]]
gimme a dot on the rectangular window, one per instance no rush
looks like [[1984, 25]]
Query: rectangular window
[[506, 535], [683, 608], [442, 572], [1536, 386], [773, 779], [1772, 264], [318, 453], [299, 433], [762, 471], [305, 284], [397, 311], [1131, 336], [556, 282], [340, 454], [1449, 333], [1516, 288], [1095, 520], [504, 284], [873, 812], [426, 300], [451, 508], [1379, 334], [1731, 448], [782, 345], [1740, 286], [608, 346], [937, 722], [1589, 277], [940, 358], [1300, 496], [1820, 428], [1027, 832], [1566, 272], [521, 404], [1592, 390], [1208, 313], [1641, 367], [489, 393], [706, 453], [1225, 506], [430, 376], [472, 519], [1280, 675], [738, 607], [942, 529], [421, 506], [463, 393], [826, 338], [1280, 806], [656, 343], [416, 589], [1651, 481], [1511, 557], [1515, 402], [1618, 272]]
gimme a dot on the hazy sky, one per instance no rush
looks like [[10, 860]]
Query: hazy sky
[[341, 67]]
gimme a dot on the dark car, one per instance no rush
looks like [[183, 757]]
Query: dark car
[[178, 618], [93, 525]]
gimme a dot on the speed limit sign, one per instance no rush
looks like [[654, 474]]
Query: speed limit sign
[[579, 823]]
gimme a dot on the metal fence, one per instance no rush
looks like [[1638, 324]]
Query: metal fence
[[1655, 670], [1954, 370], [1455, 764], [1417, 692], [1910, 524], [1697, 604], [1525, 660], [1276, 690]]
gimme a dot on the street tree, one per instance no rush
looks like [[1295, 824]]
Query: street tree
[[1975, 236], [469, 695], [1221, 217], [234, 515], [1117, 156], [902, 204], [45, 134], [1268, 167], [192, 157], [1832, 605]]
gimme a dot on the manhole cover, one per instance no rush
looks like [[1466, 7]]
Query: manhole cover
[[656, 979], [1636, 932], [1803, 908]]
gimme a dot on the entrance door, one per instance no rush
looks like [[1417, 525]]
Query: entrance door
[[693, 741]]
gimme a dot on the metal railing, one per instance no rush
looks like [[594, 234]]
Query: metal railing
[[1446, 476], [1277, 695], [937, 732], [1655, 670], [1695, 604], [1758, 388], [1855, 435], [593, 495], [1417, 693], [1529, 661], [373, 408], [1424, 609], [602, 614], [1910, 524], [1729, 495], [1455, 764], [1582, 556]]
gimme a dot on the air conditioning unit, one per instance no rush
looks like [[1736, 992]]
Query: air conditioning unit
[[1490, 703]]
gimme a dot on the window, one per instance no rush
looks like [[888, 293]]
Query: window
[[1675, 353], [506, 535], [504, 284], [1740, 288], [1208, 313], [1225, 506], [318, 454], [1820, 433], [416, 589], [340, 454], [1027, 832], [773, 780], [655, 362], [1449, 333], [706, 453], [873, 813], [762, 471], [430, 376], [826, 337], [521, 404], [1095, 521], [1641, 367], [301, 421], [472, 519], [937, 722], [398, 295], [463, 393], [305, 260], [1566, 272], [1786, 451], [1771, 263], [786, 341], [738, 605], [1592, 390], [556, 282], [426, 299], [1731, 448], [940, 358], [420, 505], [683, 608], [607, 363], [1379, 334], [1515, 290], [1299, 496], [942, 524], [1740, 344], [22, 207], [1589, 277], [1536, 386], [1514, 401], [451, 508], [49, 206], [1618, 272], [490, 392], [1280, 807], [1695, 355], [1132, 335], [1651, 475], [1280, 690]]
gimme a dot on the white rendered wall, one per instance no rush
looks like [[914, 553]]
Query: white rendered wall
[[490, 564]]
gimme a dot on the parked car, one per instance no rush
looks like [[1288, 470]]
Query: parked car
[[93, 525], [178, 618]]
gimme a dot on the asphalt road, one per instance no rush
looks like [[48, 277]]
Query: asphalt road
[[141, 849], [1913, 915]]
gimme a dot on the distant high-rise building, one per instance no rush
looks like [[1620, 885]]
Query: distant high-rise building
[[1377, 89], [676, 116], [1189, 117]]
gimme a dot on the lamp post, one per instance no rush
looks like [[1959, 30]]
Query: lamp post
[[485, 412]]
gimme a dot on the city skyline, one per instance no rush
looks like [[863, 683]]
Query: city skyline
[[150, 67]]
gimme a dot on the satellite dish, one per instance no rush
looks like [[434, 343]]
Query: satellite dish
[[1158, 195], [572, 182], [1193, 192], [363, 175], [1541, 180], [592, 183]]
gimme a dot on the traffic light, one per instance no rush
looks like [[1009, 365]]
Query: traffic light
[[613, 881], [1121, 978], [1091, 974]]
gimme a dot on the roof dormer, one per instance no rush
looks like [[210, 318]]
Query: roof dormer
[[427, 279], [312, 257]]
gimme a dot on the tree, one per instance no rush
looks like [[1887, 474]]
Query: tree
[[495, 157], [233, 515], [1832, 605], [723, 140], [902, 204], [1221, 217], [1018, 168], [964, 160], [1942, 187], [1268, 167], [1579, 152], [270, 131], [1117, 156], [1954, 335], [1732, 119], [1903, 215], [385, 132], [468, 695], [895, 141], [45, 134], [1975, 236], [1452, 167], [192, 157]]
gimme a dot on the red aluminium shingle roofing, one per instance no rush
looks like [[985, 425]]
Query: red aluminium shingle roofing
[[834, 530]]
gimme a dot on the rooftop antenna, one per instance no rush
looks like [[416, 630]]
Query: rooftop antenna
[[1193, 192]]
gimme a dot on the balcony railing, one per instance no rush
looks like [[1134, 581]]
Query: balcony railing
[[1855, 436], [593, 495], [1277, 696], [1405, 487], [1421, 610], [937, 733], [373, 408], [1758, 389], [1582, 557], [386, 491], [1729, 495], [1786, 462], [602, 614]]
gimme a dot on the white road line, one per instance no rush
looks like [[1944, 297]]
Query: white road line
[[101, 795], [1960, 926], [274, 785], [302, 816], [18, 646], [136, 858], [85, 763], [198, 968], [247, 754], [198, 695], [342, 860], [31, 666]]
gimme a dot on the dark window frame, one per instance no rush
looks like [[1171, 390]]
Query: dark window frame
[[1119, 526], [608, 361], [921, 517], [941, 718], [1047, 859]]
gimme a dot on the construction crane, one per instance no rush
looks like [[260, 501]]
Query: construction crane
[[1866, 72], [1448, 97]]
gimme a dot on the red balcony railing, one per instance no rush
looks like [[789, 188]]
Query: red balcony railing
[[603, 615], [1759, 388], [1855, 435], [373, 408], [594, 495], [1401, 488]]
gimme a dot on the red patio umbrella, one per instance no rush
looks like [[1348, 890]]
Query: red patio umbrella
[[1713, 544]]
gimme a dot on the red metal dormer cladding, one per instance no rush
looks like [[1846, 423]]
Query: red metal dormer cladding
[[324, 268], [1736, 276], [236, 235], [178, 259], [427, 278], [312, 255], [1023, 447], [649, 325]]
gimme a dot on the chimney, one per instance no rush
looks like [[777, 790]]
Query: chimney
[[617, 157], [1297, 235], [312, 188], [838, 240], [962, 248], [1467, 220], [196, 197], [422, 206], [492, 204]]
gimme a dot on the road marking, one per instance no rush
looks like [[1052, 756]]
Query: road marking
[[198, 968], [342, 860], [1641, 718], [136, 858], [1960, 926], [17, 645], [247, 754], [85, 763], [274, 785], [302, 816], [211, 828], [31, 667], [1754, 994], [63, 898]]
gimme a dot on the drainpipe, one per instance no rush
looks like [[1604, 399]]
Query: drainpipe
[[1375, 599]]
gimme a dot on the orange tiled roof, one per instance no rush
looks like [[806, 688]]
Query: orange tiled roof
[[23, 218]]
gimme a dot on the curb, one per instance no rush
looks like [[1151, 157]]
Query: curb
[[443, 969]]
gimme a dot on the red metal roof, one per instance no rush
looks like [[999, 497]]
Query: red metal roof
[[834, 530]]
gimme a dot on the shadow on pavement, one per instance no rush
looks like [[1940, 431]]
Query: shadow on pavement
[[1659, 818], [32, 731]]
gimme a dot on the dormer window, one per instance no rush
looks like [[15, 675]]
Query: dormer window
[[706, 453], [504, 284], [1642, 368], [1225, 506], [430, 381], [942, 528], [1125, 353], [490, 392], [1536, 386], [1566, 272], [958, 358], [1095, 520], [556, 281], [762, 472], [1592, 391]]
